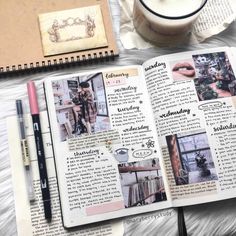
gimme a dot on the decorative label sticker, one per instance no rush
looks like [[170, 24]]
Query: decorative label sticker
[[72, 30]]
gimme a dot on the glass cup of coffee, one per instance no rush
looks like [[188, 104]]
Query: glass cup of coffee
[[166, 22]]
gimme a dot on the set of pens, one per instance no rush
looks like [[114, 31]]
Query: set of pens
[[44, 182]]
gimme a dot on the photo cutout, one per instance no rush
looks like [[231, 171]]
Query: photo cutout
[[81, 105], [141, 182], [191, 157], [183, 70], [72, 30], [214, 76]]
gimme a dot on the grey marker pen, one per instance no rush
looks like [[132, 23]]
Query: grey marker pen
[[25, 152]]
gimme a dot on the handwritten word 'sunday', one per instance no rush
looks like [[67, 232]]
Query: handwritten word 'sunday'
[[157, 64]]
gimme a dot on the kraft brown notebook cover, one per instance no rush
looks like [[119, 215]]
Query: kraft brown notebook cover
[[21, 45]]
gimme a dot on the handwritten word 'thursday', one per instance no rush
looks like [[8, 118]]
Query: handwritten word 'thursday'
[[89, 152]]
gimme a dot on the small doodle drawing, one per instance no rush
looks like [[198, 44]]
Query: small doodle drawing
[[150, 143]]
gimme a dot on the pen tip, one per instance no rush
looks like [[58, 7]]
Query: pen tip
[[47, 210]]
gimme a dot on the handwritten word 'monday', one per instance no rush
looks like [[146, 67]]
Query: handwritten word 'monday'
[[129, 88]]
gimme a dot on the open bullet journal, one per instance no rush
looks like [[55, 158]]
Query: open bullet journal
[[139, 138]]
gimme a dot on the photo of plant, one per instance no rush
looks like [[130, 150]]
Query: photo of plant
[[214, 76], [191, 157]]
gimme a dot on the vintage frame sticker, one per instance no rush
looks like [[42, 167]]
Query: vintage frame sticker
[[72, 30]]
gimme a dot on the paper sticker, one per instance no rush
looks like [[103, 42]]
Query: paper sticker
[[72, 30]]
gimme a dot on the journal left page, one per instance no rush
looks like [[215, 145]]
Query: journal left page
[[107, 156], [30, 217]]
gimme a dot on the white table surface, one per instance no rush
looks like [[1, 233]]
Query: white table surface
[[217, 218]]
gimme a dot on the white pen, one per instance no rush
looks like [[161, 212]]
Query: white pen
[[25, 152]]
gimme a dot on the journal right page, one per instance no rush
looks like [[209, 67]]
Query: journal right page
[[194, 105]]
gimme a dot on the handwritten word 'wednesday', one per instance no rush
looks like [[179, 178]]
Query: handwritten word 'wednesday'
[[172, 113]]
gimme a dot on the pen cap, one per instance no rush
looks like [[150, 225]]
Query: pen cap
[[19, 108], [34, 109]]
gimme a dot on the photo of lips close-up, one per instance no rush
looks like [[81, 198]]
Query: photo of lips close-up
[[184, 68]]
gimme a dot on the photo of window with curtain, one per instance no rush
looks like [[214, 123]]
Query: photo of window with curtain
[[191, 157]]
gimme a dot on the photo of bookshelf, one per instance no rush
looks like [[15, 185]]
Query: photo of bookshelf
[[141, 182]]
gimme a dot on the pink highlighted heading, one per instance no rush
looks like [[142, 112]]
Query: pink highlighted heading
[[103, 208], [33, 100]]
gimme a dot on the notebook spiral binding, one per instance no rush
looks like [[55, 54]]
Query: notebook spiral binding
[[60, 62]]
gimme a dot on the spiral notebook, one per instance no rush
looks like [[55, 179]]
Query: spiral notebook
[[38, 34]]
